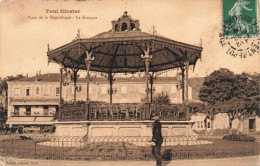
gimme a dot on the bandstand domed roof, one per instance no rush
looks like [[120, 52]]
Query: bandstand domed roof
[[119, 50]]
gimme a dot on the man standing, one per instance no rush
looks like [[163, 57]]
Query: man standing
[[157, 139]]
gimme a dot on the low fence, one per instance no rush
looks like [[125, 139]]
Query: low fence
[[120, 148]]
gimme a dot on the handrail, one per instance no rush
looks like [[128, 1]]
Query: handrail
[[121, 111]]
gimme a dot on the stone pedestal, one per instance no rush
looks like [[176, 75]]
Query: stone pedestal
[[122, 128]]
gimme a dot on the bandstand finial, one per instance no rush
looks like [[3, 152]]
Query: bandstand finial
[[125, 23]]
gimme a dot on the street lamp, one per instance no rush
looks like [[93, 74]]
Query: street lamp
[[149, 90], [179, 84]]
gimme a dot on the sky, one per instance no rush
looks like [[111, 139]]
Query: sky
[[23, 40]]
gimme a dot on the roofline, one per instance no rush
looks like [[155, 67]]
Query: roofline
[[13, 82], [117, 39]]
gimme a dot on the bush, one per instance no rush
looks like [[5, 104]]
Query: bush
[[161, 98], [239, 137], [225, 131]]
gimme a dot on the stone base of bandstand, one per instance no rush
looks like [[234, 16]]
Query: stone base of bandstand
[[121, 128], [80, 133]]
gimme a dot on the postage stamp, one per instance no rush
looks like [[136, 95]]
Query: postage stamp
[[240, 28], [240, 17]]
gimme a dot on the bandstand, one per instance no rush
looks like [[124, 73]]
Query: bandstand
[[123, 49]]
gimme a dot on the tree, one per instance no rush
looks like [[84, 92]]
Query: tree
[[161, 98], [238, 109], [245, 96], [216, 88], [235, 95]]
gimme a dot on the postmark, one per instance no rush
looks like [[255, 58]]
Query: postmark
[[240, 33]]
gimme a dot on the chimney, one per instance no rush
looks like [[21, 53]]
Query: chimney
[[36, 77]]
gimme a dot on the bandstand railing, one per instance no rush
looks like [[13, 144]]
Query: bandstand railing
[[121, 112], [72, 112]]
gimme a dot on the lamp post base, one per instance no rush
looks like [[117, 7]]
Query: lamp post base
[[147, 111], [87, 112]]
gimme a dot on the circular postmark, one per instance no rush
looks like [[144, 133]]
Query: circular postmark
[[240, 33], [240, 36], [240, 46]]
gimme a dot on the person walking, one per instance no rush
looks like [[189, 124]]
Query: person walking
[[157, 139]]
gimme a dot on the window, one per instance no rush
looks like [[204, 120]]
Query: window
[[182, 115], [208, 125], [37, 90], [142, 89], [90, 90], [200, 124], [123, 100], [17, 91], [251, 124], [158, 89], [174, 95], [16, 110], [28, 110], [132, 26], [72, 90], [45, 110], [57, 91], [116, 27], [28, 91], [103, 90], [46, 91], [173, 89], [123, 26], [190, 93], [123, 90]]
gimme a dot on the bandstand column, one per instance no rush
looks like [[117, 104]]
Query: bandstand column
[[61, 100], [75, 77], [111, 79], [151, 82], [185, 89], [183, 84], [147, 59], [88, 62], [186, 82]]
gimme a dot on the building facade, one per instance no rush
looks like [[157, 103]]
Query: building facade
[[3, 107], [248, 124], [35, 100]]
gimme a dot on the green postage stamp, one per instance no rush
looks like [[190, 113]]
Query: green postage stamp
[[240, 17], [240, 34]]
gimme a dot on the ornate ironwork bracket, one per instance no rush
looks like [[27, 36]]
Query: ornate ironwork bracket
[[147, 59], [88, 61]]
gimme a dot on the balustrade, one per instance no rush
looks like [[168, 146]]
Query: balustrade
[[122, 112]]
